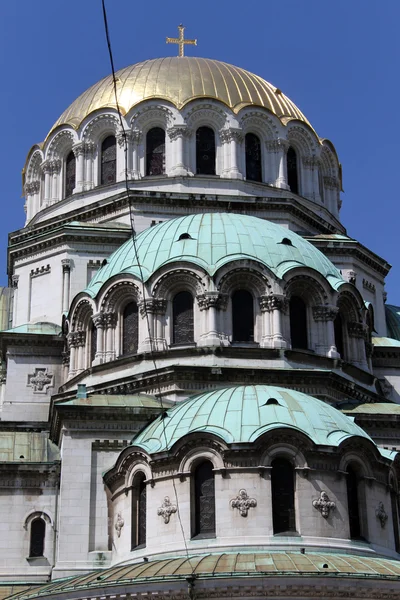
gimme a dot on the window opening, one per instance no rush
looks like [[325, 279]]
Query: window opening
[[282, 484], [155, 151], [70, 174], [298, 323], [292, 174], [204, 491], [338, 330], [205, 151], [38, 531], [253, 157], [182, 318], [242, 316], [139, 511], [130, 328], [93, 342], [108, 160], [353, 503]]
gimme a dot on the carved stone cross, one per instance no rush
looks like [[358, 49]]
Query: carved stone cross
[[324, 505], [166, 509], [40, 380], [243, 503]]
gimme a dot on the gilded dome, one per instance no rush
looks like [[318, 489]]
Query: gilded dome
[[180, 80]]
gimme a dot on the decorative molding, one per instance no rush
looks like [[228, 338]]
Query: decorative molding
[[243, 503], [324, 312], [351, 277], [369, 286], [356, 330], [40, 380], [66, 264], [227, 135], [76, 338], [43, 270], [330, 182], [278, 145], [273, 302], [14, 281], [212, 299], [32, 187], [177, 131], [166, 510], [324, 505], [119, 524], [381, 514]]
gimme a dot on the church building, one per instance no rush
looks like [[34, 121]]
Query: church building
[[200, 376]]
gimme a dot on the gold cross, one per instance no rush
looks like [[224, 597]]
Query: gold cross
[[181, 41]]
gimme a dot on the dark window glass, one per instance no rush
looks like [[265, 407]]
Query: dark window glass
[[353, 504], [139, 511], [93, 342], [242, 316], [253, 157], [155, 151], [395, 519], [292, 174], [130, 328], [204, 491], [182, 318], [38, 530], [338, 328], [205, 151], [282, 487], [298, 323], [108, 160], [70, 174]]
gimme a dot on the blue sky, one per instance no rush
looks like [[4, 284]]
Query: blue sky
[[337, 60]]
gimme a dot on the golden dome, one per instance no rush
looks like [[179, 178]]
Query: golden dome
[[180, 80]]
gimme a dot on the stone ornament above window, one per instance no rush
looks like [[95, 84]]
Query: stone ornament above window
[[40, 380], [243, 503], [119, 524], [166, 510], [381, 514], [324, 505]]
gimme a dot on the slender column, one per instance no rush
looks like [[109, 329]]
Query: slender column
[[90, 151], [148, 309], [66, 267], [14, 284], [236, 138], [325, 315], [281, 181], [99, 322], [133, 155], [110, 322], [66, 356], [46, 168], [357, 336], [177, 135], [81, 342], [271, 164], [212, 302], [275, 305], [31, 190], [225, 138], [160, 309], [79, 152]]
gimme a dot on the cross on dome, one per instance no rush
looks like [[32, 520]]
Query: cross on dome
[[181, 41]]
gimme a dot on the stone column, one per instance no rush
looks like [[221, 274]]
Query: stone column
[[160, 310], [55, 179], [14, 284], [79, 152], [66, 355], [231, 139], [212, 302], [90, 152], [32, 192], [76, 342], [99, 322], [66, 267], [324, 316], [357, 335], [125, 144], [148, 310], [46, 168], [177, 135], [80, 351], [110, 323], [282, 147], [276, 305], [135, 141]]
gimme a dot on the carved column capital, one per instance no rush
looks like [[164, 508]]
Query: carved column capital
[[46, 166], [89, 149], [310, 162], [273, 302], [110, 319], [66, 264], [76, 338], [212, 299], [78, 149], [99, 320], [356, 330], [324, 312], [232, 133], [55, 165], [32, 187], [14, 281], [177, 131]]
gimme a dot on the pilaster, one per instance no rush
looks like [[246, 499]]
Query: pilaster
[[212, 302], [273, 307]]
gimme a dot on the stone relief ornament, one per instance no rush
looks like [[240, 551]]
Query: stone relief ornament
[[243, 503], [166, 509], [119, 524], [324, 505], [381, 514], [40, 381]]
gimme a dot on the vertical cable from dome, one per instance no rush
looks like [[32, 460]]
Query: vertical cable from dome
[[132, 223]]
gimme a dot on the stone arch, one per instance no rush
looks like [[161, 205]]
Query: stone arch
[[289, 444], [247, 273], [195, 455], [302, 139], [309, 285], [211, 114], [176, 280], [61, 143], [38, 514], [98, 127], [33, 171], [150, 116], [259, 122], [80, 317], [118, 294]]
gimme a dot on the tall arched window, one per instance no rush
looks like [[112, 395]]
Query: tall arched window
[[70, 174], [395, 518], [155, 151], [242, 316], [205, 151], [182, 318], [139, 511], [130, 328], [108, 160], [352, 483], [298, 323], [38, 532], [93, 342], [253, 157], [204, 500], [339, 338], [292, 172], [282, 488]]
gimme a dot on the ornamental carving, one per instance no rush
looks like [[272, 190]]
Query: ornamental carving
[[243, 503], [310, 162], [279, 145], [227, 135], [273, 302], [66, 264], [324, 505], [99, 320], [356, 330], [331, 182], [166, 510], [76, 338], [212, 299], [110, 319], [40, 381], [324, 313], [178, 131], [119, 524], [32, 187], [381, 514], [153, 306]]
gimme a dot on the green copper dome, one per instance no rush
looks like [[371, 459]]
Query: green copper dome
[[212, 240], [244, 413]]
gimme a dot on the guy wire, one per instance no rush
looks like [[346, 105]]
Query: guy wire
[[132, 223]]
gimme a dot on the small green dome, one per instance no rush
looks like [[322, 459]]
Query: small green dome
[[211, 240], [244, 413], [393, 321]]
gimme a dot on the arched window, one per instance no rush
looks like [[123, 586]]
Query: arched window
[[395, 518], [204, 500], [339, 338], [139, 511], [155, 151], [352, 482], [182, 318], [205, 151], [282, 488], [242, 316], [253, 157], [292, 173], [298, 323], [130, 328], [93, 342], [70, 174], [108, 160], [38, 532]]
